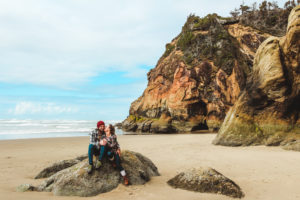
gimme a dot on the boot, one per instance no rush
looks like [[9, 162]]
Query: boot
[[90, 169], [98, 164], [126, 181]]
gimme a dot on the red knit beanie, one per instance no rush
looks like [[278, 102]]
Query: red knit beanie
[[100, 123]]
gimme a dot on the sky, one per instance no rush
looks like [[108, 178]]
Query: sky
[[86, 59]]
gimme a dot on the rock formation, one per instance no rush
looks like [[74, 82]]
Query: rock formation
[[206, 180], [198, 78], [58, 166], [293, 145], [25, 187], [75, 180], [268, 109]]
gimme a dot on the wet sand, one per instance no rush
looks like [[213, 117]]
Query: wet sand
[[262, 172]]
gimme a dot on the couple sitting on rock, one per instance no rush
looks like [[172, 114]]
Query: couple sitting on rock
[[103, 142]]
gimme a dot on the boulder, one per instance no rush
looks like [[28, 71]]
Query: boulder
[[294, 146], [206, 180], [268, 110], [58, 166], [75, 180], [25, 187], [118, 125]]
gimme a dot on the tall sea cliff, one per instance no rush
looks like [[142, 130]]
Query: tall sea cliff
[[218, 65]]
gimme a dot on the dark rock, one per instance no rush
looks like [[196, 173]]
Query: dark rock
[[139, 168], [118, 125], [129, 126], [144, 126], [58, 166], [206, 180], [75, 181]]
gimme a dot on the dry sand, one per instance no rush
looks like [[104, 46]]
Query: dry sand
[[262, 172]]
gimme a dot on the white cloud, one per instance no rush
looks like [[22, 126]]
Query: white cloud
[[65, 42], [25, 108]]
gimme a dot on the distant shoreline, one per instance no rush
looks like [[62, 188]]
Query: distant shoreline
[[48, 136]]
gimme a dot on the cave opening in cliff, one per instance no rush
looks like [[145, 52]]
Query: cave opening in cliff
[[198, 112], [201, 126]]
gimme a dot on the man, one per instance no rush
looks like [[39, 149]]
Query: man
[[94, 146]]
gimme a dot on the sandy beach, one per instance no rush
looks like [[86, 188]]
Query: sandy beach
[[262, 172]]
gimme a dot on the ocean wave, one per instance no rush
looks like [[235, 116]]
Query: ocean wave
[[47, 127], [20, 132]]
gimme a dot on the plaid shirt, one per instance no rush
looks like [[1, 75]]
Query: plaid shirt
[[94, 137], [112, 142]]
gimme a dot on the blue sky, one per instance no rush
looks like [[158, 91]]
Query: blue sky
[[85, 59]]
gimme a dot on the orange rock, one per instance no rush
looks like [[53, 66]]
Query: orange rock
[[195, 87], [268, 109]]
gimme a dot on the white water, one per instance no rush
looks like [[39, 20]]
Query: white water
[[21, 129]]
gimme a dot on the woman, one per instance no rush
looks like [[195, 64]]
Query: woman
[[110, 147]]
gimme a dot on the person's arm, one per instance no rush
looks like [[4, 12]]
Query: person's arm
[[103, 142], [92, 139], [119, 152], [118, 146], [110, 142]]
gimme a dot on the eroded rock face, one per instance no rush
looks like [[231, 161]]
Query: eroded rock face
[[268, 110], [75, 181], [198, 78], [206, 180], [248, 38]]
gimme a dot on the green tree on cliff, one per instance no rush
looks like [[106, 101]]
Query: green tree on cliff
[[268, 17]]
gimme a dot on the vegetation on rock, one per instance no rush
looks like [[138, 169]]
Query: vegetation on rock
[[267, 16]]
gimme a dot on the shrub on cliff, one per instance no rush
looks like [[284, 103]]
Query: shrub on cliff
[[267, 16], [169, 49], [185, 40]]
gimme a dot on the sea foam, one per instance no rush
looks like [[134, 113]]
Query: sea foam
[[21, 129]]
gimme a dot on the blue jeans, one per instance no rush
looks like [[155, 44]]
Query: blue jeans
[[93, 150], [104, 150]]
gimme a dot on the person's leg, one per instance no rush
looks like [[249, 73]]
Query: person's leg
[[91, 152], [102, 152], [118, 162], [110, 154], [120, 167]]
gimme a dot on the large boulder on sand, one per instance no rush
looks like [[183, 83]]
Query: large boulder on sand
[[268, 109], [75, 180], [58, 166], [206, 180]]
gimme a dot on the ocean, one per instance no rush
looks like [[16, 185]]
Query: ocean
[[23, 129]]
